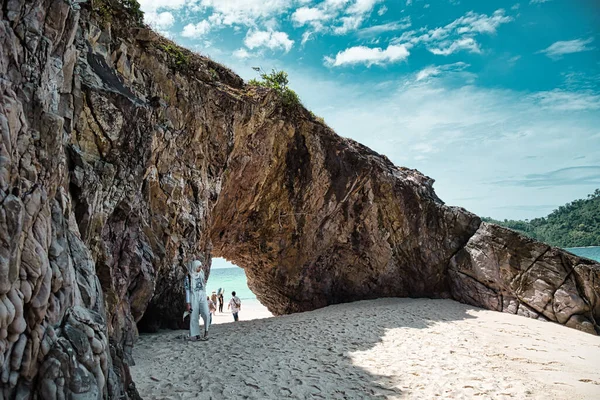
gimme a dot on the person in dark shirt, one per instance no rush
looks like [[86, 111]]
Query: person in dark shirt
[[221, 301]]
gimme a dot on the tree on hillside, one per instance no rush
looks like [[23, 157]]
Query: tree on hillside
[[575, 224]]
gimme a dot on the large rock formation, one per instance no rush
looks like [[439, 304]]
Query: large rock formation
[[501, 270], [123, 156]]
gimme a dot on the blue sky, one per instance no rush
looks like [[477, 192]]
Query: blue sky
[[498, 101]]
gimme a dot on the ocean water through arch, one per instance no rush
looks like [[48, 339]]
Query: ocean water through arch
[[229, 277]]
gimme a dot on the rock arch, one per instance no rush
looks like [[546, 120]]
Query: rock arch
[[122, 156], [317, 219]]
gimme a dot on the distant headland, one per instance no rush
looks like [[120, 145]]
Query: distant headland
[[576, 224]]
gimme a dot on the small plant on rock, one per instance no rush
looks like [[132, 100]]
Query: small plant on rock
[[176, 56], [278, 81]]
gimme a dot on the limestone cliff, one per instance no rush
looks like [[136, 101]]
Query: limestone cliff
[[123, 156]]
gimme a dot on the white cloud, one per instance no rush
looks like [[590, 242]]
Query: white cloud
[[149, 6], [471, 23], [334, 4], [538, 1], [479, 23], [306, 37], [427, 72], [369, 56], [457, 35], [343, 16], [558, 49], [513, 60], [356, 14], [379, 29], [159, 21], [468, 44], [408, 2], [196, 30], [561, 100], [241, 53], [413, 37], [362, 6], [271, 39], [438, 69], [245, 12], [304, 14], [349, 23]]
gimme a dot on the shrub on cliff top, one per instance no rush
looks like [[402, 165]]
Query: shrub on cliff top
[[108, 9], [134, 9], [278, 81]]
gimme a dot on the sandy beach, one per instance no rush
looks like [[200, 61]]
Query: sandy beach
[[380, 349], [250, 310]]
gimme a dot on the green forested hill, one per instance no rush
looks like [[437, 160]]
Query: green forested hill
[[572, 225]]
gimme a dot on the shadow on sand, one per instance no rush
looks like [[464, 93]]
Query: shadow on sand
[[306, 355]]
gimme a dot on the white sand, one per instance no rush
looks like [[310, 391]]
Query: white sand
[[387, 348], [250, 310]]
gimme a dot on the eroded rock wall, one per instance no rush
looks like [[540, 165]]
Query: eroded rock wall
[[53, 333], [109, 161], [123, 156]]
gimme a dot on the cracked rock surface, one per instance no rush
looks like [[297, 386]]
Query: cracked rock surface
[[501, 270], [122, 157]]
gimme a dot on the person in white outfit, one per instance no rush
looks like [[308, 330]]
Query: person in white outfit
[[195, 294], [236, 305]]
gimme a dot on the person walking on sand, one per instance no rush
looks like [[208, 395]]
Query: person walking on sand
[[213, 297], [221, 301], [212, 308], [195, 293], [236, 305]]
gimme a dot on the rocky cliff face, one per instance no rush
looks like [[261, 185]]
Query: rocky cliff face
[[122, 157]]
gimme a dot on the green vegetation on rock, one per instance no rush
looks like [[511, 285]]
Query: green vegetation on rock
[[176, 56], [575, 224], [134, 8], [108, 9], [278, 81]]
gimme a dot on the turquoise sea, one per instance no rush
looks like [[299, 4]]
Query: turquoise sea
[[588, 252], [230, 279], [234, 278]]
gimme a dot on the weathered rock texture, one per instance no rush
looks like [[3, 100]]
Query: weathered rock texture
[[316, 219], [122, 157], [501, 270]]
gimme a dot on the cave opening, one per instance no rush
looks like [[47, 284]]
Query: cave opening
[[228, 277]]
